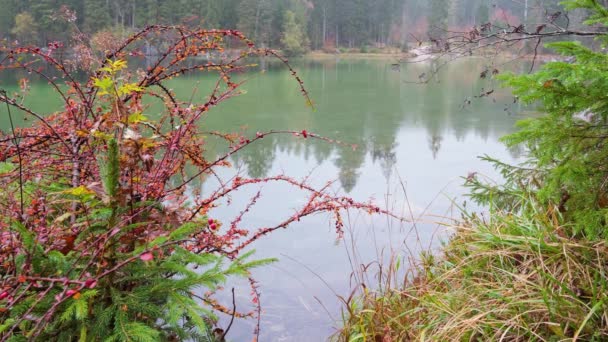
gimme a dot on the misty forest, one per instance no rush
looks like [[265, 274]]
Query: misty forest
[[296, 24]]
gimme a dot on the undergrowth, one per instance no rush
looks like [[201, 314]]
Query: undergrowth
[[105, 231], [536, 268], [508, 278]]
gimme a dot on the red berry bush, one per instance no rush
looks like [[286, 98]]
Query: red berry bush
[[103, 234]]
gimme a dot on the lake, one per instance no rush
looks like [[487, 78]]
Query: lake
[[414, 142]]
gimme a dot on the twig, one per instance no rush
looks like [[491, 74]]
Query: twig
[[231, 318]]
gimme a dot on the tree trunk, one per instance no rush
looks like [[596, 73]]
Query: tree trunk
[[337, 36], [324, 26], [257, 20]]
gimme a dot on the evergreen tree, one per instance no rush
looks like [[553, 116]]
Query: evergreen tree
[[349, 23], [43, 12], [7, 16], [25, 29], [96, 15], [254, 19], [483, 13], [567, 146], [212, 13], [293, 39], [438, 18], [228, 13], [166, 13]]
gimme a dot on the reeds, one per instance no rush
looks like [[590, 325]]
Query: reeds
[[511, 278]]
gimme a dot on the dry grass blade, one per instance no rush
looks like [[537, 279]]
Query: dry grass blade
[[513, 279]]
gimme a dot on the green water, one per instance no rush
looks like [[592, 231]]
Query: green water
[[414, 140]]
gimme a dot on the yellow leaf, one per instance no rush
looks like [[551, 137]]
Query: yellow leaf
[[103, 84], [82, 133], [63, 217], [102, 135], [129, 88], [114, 66], [136, 118], [148, 143], [119, 64], [79, 191]]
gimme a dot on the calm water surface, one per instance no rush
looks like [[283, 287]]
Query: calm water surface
[[414, 141]]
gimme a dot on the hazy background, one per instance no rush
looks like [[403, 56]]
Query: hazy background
[[311, 24]]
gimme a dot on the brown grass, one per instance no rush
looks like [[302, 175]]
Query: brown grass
[[511, 278]]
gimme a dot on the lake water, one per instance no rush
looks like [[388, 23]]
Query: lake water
[[414, 143]]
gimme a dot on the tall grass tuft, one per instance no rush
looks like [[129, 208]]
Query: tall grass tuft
[[508, 278]]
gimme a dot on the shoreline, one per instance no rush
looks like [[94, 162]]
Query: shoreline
[[355, 55], [406, 56]]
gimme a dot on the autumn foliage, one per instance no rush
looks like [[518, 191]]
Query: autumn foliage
[[103, 231]]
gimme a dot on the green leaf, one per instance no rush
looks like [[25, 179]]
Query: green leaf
[[104, 84], [6, 324], [80, 191], [240, 267], [27, 238], [185, 230], [136, 118], [83, 334], [129, 88], [6, 167]]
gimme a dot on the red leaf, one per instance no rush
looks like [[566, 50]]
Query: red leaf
[[90, 283], [146, 256]]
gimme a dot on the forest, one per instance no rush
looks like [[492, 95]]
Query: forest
[[136, 190], [293, 25]]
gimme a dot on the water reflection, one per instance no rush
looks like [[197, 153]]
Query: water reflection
[[359, 102], [362, 103], [419, 134]]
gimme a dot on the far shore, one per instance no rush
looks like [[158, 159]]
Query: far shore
[[362, 55], [399, 56]]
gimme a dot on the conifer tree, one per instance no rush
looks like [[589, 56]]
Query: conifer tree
[[96, 15], [7, 15], [25, 28], [438, 18], [567, 146], [43, 12], [293, 36]]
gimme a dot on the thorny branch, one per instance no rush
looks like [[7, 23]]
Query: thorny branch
[[157, 164]]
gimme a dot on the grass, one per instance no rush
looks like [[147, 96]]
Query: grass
[[512, 278]]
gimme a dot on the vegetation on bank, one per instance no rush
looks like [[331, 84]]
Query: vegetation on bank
[[509, 277], [105, 231], [535, 268]]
